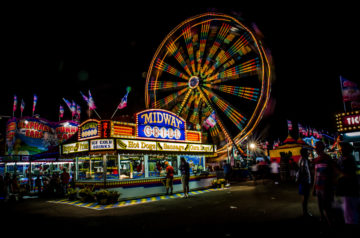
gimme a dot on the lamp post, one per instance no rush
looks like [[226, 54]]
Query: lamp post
[[252, 147]]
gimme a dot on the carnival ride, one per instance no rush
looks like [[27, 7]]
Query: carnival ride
[[212, 62]]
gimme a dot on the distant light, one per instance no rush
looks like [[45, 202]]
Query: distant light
[[352, 134], [66, 124], [26, 121], [252, 146]]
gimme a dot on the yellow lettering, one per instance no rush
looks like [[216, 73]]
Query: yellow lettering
[[178, 122], [160, 118], [147, 118], [167, 118], [173, 122]]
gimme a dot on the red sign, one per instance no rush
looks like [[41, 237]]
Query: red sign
[[352, 120]]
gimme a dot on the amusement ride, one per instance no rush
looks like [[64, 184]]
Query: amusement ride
[[212, 64]]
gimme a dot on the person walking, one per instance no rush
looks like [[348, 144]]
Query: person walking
[[227, 170], [323, 182], [65, 178], [185, 176], [303, 178], [347, 186], [169, 178], [274, 170]]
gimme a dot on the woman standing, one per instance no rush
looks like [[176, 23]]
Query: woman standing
[[303, 177]]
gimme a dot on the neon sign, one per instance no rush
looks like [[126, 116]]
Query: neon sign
[[161, 125], [89, 129]]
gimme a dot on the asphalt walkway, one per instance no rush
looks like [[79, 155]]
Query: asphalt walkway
[[262, 210]]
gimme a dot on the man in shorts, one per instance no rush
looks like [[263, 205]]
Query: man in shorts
[[169, 178]]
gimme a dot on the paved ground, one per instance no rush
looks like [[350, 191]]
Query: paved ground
[[243, 209]]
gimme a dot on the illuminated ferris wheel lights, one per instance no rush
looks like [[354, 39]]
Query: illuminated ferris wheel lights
[[208, 53]]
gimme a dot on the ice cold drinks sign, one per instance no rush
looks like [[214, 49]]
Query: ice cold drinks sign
[[160, 124]]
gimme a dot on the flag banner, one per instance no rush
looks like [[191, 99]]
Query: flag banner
[[289, 125], [34, 103], [91, 102], [301, 129], [73, 109], [61, 111], [85, 98], [68, 103], [123, 102], [210, 121], [15, 103], [78, 111], [350, 90], [22, 106]]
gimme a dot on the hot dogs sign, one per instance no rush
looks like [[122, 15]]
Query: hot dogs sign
[[160, 125]]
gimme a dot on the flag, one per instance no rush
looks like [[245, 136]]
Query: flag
[[15, 104], [78, 111], [73, 108], [123, 102], [301, 129], [22, 106], [61, 111], [34, 103], [85, 98], [91, 102], [210, 121], [350, 90], [67, 103], [289, 125]]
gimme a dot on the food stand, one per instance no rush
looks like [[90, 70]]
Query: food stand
[[130, 157]]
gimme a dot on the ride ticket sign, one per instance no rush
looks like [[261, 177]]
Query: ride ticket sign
[[161, 125]]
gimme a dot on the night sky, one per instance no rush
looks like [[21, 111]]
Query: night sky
[[56, 51]]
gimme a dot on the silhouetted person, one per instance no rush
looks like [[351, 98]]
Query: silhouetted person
[[348, 187], [303, 177], [323, 182]]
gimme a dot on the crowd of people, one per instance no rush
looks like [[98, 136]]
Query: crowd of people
[[323, 177], [44, 185]]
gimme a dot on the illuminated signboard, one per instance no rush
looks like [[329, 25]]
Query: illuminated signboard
[[123, 144], [122, 129], [65, 129], [347, 122], [32, 135], [102, 144], [75, 147], [89, 129], [193, 136], [160, 125]]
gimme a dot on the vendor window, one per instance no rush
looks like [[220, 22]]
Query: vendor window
[[157, 167], [132, 167]]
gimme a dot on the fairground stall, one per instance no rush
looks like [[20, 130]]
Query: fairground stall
[[348, 127], [130, 157], [31, 148]]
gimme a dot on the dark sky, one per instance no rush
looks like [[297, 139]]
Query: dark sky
[[56, 51]]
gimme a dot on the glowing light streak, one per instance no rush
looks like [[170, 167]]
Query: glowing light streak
[[159, 85], [174, 51], [161, 65], [218, 41], [194, 118], [237, 118], [184, 101], [223, 56], [244, 92], [246, 67], [189, 45], [186, 110], [203, 37], [165, 101]]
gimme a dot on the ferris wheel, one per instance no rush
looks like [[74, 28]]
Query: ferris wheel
[[211, 63]]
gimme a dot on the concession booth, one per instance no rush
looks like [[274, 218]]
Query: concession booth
[[130, 157]]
